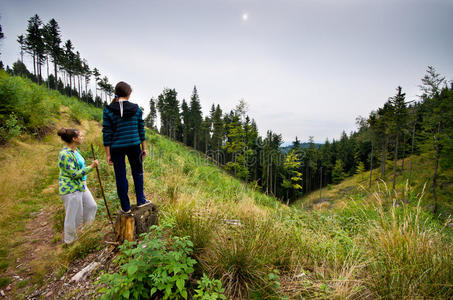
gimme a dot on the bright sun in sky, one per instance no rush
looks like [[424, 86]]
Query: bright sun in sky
[[245, 17]]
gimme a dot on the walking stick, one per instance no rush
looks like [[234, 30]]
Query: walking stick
[[102, 189]]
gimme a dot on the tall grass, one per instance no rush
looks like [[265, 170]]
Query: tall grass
[[340, 251], [410, 257]]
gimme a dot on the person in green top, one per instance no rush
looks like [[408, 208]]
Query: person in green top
[[77, 199]]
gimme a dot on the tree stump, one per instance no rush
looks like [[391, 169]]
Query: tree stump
[[130, 225]]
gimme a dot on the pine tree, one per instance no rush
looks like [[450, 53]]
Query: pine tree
[[337, 173], [97, 77], [52, 41], [22, 46], [217, 134], [151, 118], [371, 122], [35, 45], [291, 177], [195, 118], [168, 106], [205, 134], [68, 62], [185, 117], [399, 122], [360, 168], [236, 144], [437, 124], [383, 128]]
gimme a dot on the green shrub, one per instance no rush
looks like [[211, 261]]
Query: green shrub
[[151, 267], [11, 129], [209, 289]]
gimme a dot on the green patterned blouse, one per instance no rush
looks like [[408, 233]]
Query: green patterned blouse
[[71, 175]]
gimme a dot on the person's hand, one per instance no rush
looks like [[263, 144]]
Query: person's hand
[[95, 163], [109, 160], [143, 153]]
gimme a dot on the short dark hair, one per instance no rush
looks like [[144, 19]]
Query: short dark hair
[[67, 134]]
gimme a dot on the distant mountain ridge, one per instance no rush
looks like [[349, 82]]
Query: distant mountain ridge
[[287, 146]]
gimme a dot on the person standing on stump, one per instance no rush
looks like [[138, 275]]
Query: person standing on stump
[[77, 199], [123, 131]]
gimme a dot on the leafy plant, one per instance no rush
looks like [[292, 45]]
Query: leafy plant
[[209, 289], [11, 128], [154, 266]]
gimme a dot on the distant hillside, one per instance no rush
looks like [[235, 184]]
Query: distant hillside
[[287, 146]]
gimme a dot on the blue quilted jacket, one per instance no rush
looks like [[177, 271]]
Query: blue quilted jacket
[[122, 125]]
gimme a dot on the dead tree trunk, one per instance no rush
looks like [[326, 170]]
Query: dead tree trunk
[[130, 225]]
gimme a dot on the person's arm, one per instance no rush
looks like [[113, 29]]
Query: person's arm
[[141, 132], [108, 156], [144, 149], [107, 135]]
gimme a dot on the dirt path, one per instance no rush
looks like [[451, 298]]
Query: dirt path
[[35, 254]]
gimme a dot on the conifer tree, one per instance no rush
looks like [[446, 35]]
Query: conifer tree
[[68, 62], [97, 77], [205, 134], [150, 120], [35, 44], [217, 134], [291, 176], [399, 122], [437, 124], [383, 128], [168, 106], [52, 41], [195, 118], [22, 46], [236, 144], [337, 173], [185, 117]]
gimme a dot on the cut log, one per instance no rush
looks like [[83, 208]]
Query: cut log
[[130, 225], [85, 272]]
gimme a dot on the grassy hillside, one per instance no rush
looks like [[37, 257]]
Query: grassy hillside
[[408, 184], [358, 243]]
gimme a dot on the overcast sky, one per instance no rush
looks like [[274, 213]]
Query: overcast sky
[[306, 68]]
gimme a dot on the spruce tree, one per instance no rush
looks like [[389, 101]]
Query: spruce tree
[[217, 134], [399, 123], [22, 46], [168, 106], [35, 45], [337, 173], [291, 176], [185, 117], [195, 118], [437, 125], [150, 120], [52, 41]]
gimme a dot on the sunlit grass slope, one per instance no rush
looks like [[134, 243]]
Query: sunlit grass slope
[[369, 243], [411, 179]]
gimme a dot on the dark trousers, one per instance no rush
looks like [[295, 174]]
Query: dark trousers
[[134, 155]]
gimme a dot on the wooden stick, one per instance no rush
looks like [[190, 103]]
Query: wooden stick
[[102, 189]]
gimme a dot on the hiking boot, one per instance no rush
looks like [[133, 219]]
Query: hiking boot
[[125, 212], [147, 202]]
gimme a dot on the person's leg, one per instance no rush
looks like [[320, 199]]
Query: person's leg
[[134, 155], [73, 207], [89, 206], [119, 165]]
